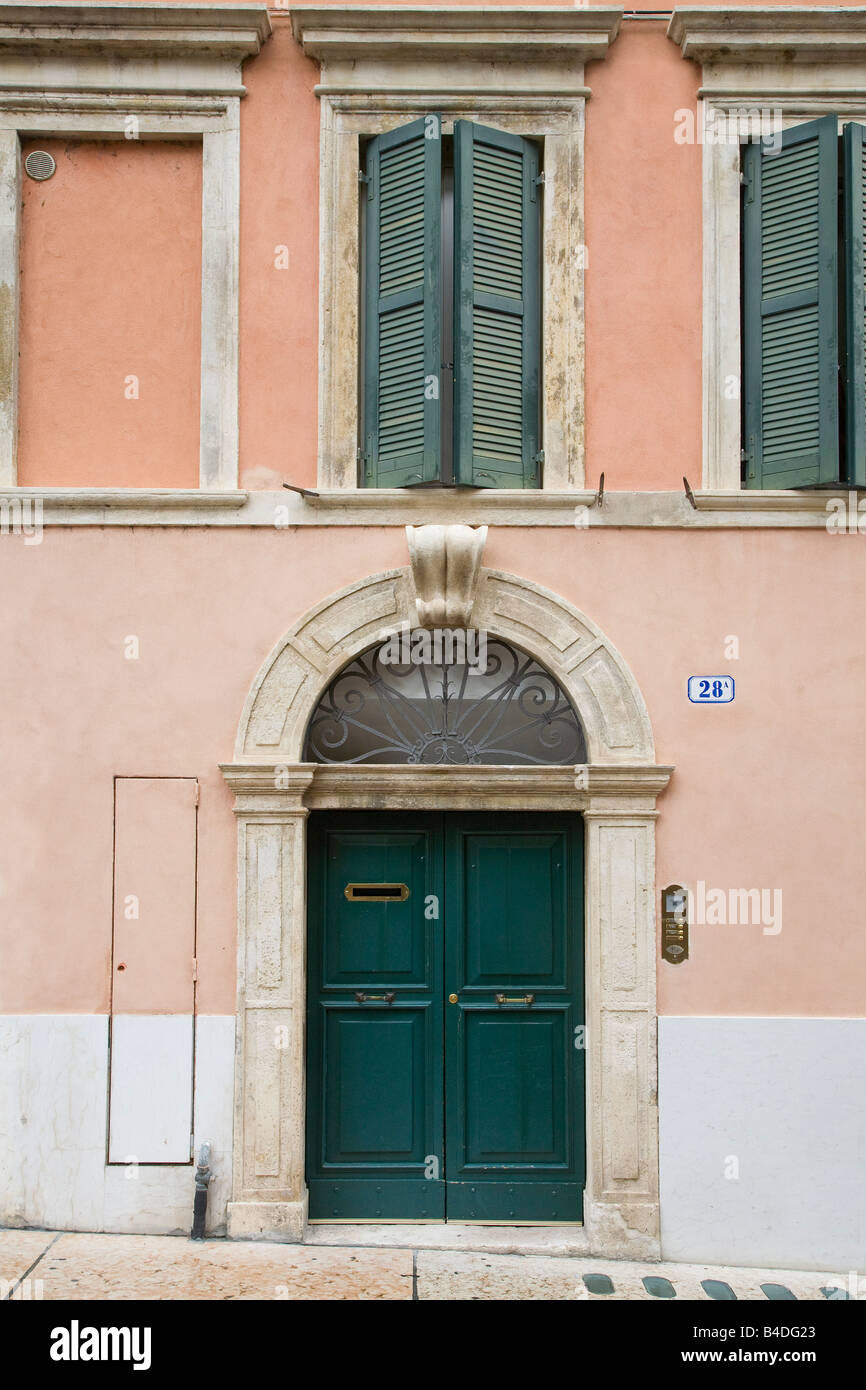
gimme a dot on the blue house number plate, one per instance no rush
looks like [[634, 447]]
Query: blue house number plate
[[711, 690]]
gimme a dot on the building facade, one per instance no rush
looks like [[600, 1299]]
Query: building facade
[[432, 443]]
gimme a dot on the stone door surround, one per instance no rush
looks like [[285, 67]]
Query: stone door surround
[[616, 794]]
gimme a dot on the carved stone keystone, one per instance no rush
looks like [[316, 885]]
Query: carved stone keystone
[[445, 565]]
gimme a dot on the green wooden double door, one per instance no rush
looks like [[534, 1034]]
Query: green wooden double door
[[445, 1052]]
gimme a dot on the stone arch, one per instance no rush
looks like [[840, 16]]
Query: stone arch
[[584, 662]]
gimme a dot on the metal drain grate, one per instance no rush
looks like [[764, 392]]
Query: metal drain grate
[[635, 1284], [718, 1289]]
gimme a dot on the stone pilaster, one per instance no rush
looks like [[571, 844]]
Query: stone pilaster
[[622, 1211], [269, 1191]]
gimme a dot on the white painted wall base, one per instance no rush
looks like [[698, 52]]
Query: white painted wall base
[[781, 1101], [784, 1097], [53, 1117]]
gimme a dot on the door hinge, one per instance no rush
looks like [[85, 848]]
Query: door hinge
[[192, 1145], [194, 969], [747, 456], [362, 177], [748, 182], [538, 457], [539, 178], [365, 456], [197, 792]]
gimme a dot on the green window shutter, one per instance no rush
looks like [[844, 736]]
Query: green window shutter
[[854, 163], [790, 315], [402, 350], [496, 308]]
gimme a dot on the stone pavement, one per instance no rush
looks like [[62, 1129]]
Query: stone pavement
[[65, 1265]]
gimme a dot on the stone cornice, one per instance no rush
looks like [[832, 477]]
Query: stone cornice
[[740, 510], [632, 780], [479, 32], [765, 34], [196, 31], [274, 789], [122, 500], [56, 59]]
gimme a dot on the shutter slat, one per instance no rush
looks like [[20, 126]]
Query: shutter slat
[[497, 304], [402, 307], [790, 322]]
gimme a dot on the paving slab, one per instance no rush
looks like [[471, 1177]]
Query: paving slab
[[118, 1267], [453, 1235], [18, 1251], [80, 1266]]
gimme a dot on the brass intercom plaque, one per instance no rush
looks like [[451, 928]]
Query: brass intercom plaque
[[376, 892], [675, 924]]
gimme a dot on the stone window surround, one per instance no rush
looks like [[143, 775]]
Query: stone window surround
[[803, 63], [616, 794], [519, 70], [82, 70]]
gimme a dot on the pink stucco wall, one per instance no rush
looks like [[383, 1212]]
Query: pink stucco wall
[[767, 791], [111, 289], [643, 266]]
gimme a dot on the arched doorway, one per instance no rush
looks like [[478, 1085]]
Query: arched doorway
[[445, 1004], [615, 791]]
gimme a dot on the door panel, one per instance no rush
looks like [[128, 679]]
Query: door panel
[[514, 1078], [493, 909], [514, 1063], [373, 1057], [514, 892], [369, 941], [374, 1065]]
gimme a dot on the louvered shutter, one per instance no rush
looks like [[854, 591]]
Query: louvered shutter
[[401, 351], [854, 163], [790, 318], [496, 306]]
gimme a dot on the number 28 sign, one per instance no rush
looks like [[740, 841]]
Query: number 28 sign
[[711, 690]]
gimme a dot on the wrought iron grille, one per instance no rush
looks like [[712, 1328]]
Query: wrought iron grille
[[451, 712]]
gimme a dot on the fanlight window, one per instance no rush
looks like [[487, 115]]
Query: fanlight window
[[467, 702]]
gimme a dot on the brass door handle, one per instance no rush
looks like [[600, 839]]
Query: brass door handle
[[363, 998], [515, 999]]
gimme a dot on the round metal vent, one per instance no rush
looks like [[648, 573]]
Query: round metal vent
[[40, 164]]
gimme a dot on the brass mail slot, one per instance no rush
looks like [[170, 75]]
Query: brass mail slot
[[376, 892]]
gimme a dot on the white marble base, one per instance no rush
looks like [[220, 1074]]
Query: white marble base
[[53, 1114]]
